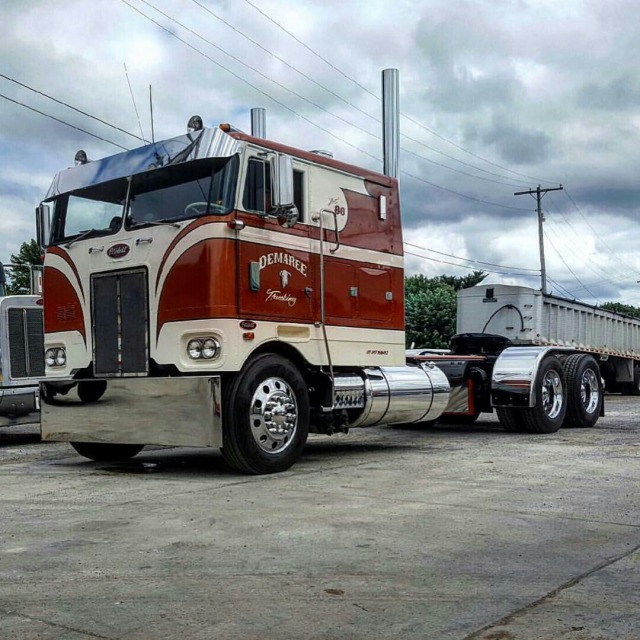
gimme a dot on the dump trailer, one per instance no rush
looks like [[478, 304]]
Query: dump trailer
[[529, 317], [21, 356], [219, 289]]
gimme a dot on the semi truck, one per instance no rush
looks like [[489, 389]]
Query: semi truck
[[220, 289], [21, 354]]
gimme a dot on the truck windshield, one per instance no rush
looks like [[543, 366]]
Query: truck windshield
[[175, 192], [183, 191]]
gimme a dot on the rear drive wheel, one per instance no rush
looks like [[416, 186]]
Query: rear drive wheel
[[107, 452], [547, 415], [266, 423], [584, 390]]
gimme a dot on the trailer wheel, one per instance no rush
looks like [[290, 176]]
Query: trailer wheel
[[107, 452], [91, 390], [510, 419], [632, 388], [584, 390], [550, 409], [266, 422]]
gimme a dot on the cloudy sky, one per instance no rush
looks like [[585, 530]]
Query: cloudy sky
[[497, 96]]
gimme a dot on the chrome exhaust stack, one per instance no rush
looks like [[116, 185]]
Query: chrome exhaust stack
[[390, 121], [259, 122]]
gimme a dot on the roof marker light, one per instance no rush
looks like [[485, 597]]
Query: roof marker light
[[194, 124]]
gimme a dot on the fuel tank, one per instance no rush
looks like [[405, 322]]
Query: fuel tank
[[389, 395]]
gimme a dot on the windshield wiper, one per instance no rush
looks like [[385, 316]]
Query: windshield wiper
[[176, 225], [83, 235]]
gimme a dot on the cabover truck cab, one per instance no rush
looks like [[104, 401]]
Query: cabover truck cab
[[222, 290], [21, 356]]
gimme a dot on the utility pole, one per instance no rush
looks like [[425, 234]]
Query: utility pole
[[539, 193]]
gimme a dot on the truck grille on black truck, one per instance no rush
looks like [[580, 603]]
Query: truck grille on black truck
[[26, 343], [120, 323]]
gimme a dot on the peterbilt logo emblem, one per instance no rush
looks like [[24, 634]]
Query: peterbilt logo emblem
[[247, 324], [118, 250], [284, 278]]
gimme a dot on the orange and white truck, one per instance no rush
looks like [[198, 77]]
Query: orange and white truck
[[219, 289]]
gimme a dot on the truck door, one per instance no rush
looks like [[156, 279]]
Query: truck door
[[276, 274]]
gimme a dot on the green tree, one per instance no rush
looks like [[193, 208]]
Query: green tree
[[619, 307], [20, 277], [431, 305]]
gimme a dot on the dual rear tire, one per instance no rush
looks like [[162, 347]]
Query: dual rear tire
[[568, 394]]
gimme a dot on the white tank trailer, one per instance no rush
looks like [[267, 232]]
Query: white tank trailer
[[528, 317]]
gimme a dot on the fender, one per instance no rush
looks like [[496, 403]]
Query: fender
[[514, 374]]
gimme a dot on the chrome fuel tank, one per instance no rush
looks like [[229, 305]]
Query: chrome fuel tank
[[403, 394]]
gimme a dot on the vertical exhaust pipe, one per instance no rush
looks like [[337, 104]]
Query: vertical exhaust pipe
[[390, 121], [259, 122]]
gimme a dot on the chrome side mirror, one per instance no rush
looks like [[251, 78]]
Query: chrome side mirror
[[43, 225], [281, 181]]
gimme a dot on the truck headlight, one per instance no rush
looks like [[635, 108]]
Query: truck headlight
[[205, 348], [56, 357]]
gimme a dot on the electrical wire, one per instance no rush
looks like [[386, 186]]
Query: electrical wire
[[42, 113], [245, 81], [65, 104], [413, 120], [362, 111], [449, 255]]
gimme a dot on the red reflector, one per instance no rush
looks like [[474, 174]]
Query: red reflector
[[248, 335], [40, 301]]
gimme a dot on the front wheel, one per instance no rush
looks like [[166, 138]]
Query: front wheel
[[107, 452], [548, 413], [584, 387], [266, 423]]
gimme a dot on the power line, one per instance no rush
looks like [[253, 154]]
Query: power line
[[42, 113], [362, 111], [449, 255], [414, 121], [65, 104], [245, 81], [463, 266], [462, 195]]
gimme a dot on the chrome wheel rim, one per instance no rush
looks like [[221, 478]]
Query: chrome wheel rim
[[273, 415], [552, 394], [589, 391]]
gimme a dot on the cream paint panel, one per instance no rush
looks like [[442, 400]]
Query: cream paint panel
[[78, 356], [287, 241], [349, 346]]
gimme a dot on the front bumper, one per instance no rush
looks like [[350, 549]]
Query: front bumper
[[18, 405], [160, 411]]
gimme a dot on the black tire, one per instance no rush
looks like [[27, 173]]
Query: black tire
[[550, 408], [584, 391], [107, 452], [510, 419], [91, 390], [632, 388], [266, 421]]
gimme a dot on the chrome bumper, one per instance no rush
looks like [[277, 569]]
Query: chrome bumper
[[162, 411], [18, 406]]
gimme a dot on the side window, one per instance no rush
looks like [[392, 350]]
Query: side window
[[298, 193], [257, 188]]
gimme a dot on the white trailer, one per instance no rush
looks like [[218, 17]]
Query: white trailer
[[528, 317]]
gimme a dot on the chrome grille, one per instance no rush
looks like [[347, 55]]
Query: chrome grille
[[120, 323], [26, 343]]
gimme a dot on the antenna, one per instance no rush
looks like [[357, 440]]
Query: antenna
[[153, 139], [126, 73]]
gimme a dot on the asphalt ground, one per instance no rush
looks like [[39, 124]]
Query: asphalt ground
[[441, 533]]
